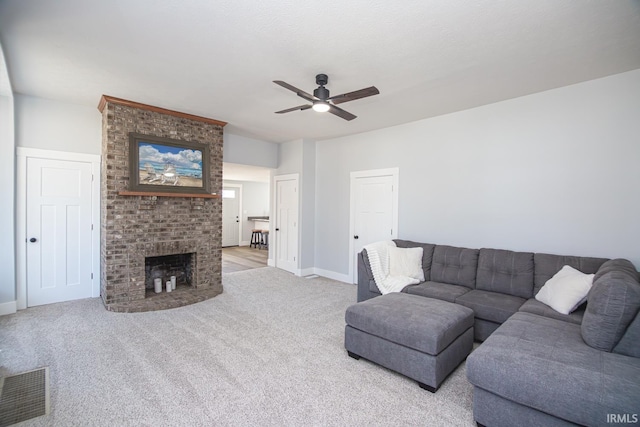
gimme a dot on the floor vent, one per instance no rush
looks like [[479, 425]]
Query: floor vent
[[24, 396]]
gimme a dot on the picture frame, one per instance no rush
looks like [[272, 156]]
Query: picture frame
[[166, 165]]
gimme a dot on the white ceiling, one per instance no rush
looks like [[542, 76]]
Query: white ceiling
[[218, 58]]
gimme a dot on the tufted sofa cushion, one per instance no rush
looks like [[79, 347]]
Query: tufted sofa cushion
[[546, 265], [506, 272], [453, 265]]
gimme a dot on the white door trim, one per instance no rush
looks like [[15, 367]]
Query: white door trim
[[21, 215], [394, 173], [240, 213], [274, 210]]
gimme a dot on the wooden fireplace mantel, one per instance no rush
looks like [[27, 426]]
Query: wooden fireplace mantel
[[113, 100], [159, 194]]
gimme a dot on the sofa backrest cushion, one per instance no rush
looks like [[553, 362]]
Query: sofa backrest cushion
[[453, 265], [547, 265], [612, 304], [365, 274], [427, 254], [506, 272], [629, 344]]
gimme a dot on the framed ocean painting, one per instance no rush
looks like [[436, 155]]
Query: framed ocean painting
[[168, 165]]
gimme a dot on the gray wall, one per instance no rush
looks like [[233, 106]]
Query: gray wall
[[7, 207], [551, 172], [289, 158], [300, 157], [308, 205], [248, 151], [59, 126], [7, 192]]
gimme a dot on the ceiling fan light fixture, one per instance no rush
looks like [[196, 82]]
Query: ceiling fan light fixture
[[321, 106], [322, 101]]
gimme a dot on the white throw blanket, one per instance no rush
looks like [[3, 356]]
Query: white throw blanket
[[379, 263]]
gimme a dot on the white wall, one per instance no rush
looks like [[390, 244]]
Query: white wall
[[248, 151], [255, 202], [551, 172], [59, 126]]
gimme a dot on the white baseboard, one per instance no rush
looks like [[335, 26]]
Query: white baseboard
[[8, 308], [319, 271], [332, 275], [244, 243], [306, 272]]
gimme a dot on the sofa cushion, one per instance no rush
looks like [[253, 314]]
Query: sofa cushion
[[492, 306], [507, 272], [427, 254], [454, 265], [629, 344], [437, 290], [617, 264], [543, 363], [613, 302], [534, 306], [546, 265]]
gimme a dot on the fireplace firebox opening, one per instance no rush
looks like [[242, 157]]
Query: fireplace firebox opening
[[163, 267]]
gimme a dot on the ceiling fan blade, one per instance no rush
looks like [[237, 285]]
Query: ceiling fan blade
[[357, 94], [299, 92], [299, 107], [341, 113]]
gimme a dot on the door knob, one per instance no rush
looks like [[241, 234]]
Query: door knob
[[33, 240], [356, 237], [277, 229]]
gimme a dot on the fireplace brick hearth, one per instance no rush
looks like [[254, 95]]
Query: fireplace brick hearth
[[135, 227]]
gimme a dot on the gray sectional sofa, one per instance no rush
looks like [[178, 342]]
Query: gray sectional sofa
[[535, 366]]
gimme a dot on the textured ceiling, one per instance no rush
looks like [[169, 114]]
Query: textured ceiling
[[218, 59]]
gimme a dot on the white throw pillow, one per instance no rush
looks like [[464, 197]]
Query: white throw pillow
[[406, 262], [566, 290]]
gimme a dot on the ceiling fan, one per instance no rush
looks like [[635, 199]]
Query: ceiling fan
[[322, 102]]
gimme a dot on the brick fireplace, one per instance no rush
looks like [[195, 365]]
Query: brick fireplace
[[138, 228]]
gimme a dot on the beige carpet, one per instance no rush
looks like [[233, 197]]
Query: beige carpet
[[267, 352]]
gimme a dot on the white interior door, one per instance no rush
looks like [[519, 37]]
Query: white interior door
[[286, 224], [374, 207], [230, 216], [58, 227]]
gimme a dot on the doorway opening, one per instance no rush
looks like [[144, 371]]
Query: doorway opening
[[246, 206]]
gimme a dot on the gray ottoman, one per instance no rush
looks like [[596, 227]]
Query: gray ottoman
[[422, 338]]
